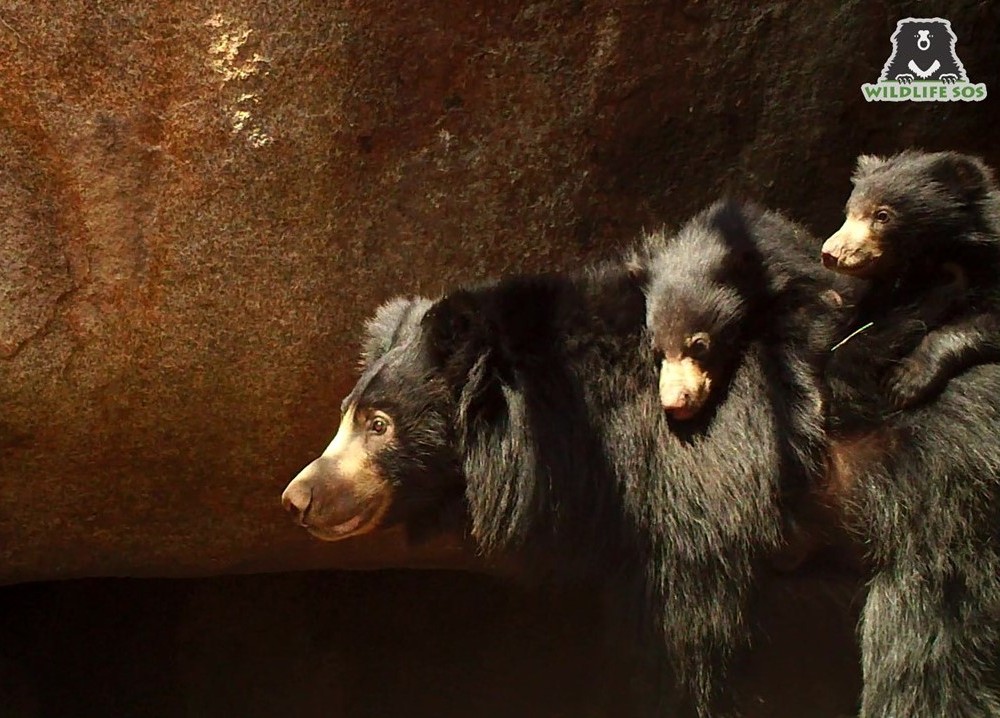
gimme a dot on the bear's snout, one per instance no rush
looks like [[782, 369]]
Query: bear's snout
[[320, 497], [924, 40], [334, 499], [297, 500], [853, 249], [684, 387]]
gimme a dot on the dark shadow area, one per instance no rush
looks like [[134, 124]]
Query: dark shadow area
[[373, 644], [300, 645]]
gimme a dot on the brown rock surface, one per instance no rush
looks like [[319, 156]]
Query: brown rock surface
[[201, 201]]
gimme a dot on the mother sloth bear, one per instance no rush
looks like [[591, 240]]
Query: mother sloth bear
[[534, 400]]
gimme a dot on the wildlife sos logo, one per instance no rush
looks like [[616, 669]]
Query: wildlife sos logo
[[923, 66]]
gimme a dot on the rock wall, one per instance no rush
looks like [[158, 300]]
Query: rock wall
[[201, 201]]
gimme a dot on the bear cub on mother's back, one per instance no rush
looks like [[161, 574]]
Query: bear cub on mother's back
[[925, 228], [735, 275], [923, 484], [534, 399]]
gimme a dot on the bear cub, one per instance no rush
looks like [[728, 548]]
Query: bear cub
[[924, 228], [737, 275]]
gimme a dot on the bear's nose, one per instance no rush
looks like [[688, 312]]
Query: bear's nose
[[678, 400], [829, 260], [297, 499]]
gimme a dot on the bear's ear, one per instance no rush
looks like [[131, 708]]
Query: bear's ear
[[392, 323], [457, 330], [967, 177], [866, 163]]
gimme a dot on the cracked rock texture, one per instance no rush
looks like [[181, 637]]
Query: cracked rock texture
[[200, 202]]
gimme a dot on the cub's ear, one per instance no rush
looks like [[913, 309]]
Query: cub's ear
[[640, 263], [730, 219], [966, 176], [637, 264], [865, 164], [392, 324]]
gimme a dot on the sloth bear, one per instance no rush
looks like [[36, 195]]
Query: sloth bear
[[736, 274], [926, 228], [923, 482], [535, 398], [923, 49]]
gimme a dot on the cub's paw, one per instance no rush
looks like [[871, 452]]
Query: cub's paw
[[948, 78], [910, 383], [904, 78]]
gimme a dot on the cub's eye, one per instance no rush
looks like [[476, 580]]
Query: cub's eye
[[698, 345], [378, 425], [882, 216]]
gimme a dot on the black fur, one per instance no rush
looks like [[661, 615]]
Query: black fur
[[745, 275], [542, 392], [539, 395], [925, 492], [748, 278], [937, 298], [421, 464]]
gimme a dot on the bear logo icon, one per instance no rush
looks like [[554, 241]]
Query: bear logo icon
[[923, 66], [923, 49]]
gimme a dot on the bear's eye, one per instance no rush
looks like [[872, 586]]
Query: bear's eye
[[698, 345], [882, 216], [378, 425]]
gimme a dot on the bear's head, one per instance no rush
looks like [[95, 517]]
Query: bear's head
[[702, 285], [436, 403], [912, 205], [393, 456]]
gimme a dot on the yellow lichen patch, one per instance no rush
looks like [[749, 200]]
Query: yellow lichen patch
[[226, 61]]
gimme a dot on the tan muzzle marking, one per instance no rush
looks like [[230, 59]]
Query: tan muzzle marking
[[684, 387], [852, 249]]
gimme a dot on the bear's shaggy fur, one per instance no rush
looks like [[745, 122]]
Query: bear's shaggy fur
[[925, 227], [737, 274], [924, 483], [548, 385], [538, 394]]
